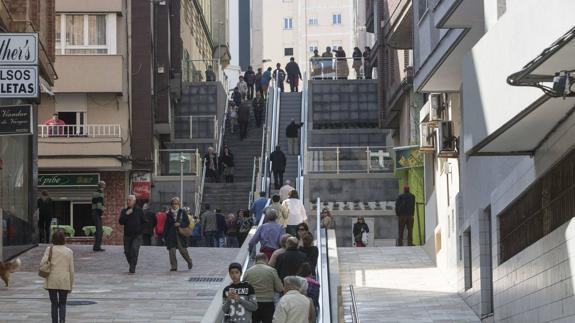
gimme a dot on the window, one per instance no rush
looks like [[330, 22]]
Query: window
[[83, 34], [312, 47], [288, 23], [335, 44], [313, 21], [336, 19], [288, 51]]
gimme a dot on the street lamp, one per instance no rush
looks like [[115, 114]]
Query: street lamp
[[182, 161]]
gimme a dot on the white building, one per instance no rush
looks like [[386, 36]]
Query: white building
[[500, 215]]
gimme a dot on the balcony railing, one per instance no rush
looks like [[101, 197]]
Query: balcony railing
[[338, 160], [90, 131], [340, 68]]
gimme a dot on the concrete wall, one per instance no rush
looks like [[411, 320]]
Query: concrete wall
[[384, 227]]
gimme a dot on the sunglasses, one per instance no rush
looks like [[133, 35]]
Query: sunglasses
[[301, 229]]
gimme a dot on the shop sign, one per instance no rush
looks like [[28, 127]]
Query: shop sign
[[142, 185], [16, 120], [68, 180], [407, 157], [19, 65], [18, 49], [19, 81]]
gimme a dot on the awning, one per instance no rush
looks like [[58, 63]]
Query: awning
[[531, 128]]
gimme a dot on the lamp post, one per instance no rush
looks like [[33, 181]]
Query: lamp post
[[182, 161]]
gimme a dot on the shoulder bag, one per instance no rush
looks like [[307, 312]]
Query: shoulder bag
[[46, 267], [187, 231]]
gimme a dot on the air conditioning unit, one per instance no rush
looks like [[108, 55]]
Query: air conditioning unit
[[437, 105], [427, 137], [446, 141]]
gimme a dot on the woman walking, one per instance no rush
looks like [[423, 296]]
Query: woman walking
[[359, 229], [175, 220], [61, 278], [227, 164]]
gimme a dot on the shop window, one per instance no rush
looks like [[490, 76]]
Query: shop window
[[75, 214]]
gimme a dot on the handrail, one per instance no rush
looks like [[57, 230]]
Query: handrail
[[328, 67], [200, 189], [365, 159], [354, 313], [252, 186], [322, 274]]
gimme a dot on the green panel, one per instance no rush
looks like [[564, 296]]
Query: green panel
[[414, 178]]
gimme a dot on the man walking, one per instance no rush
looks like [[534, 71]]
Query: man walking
[[133, 220], [404, 209], [250, 78], [279, 75], [46, 212], [209, 224], [259, 104], [278, 160], [149, 226], [97, 212], [265, 281], [244, 119], [294, 75], [258, 206], [292, 134], [269, 234]]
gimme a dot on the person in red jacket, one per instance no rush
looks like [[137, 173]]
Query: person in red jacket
[[160, 224]]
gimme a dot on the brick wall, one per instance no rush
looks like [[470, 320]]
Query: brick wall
[[115, 196]]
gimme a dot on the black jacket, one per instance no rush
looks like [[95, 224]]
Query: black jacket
[[278, 159], [405, 205], [289, 262], [226, 160], [46, 208], [244, 113], [171, 233], [250, 77], [258, 105], [133, 223], [292, 130], [292, 70], [358, 229], [151, 222], [311, 253]]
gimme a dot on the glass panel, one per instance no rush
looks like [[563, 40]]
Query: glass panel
[[74, 29], [97, 30]]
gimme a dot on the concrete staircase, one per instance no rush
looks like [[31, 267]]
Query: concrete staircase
[[230, 197], [290, 108]]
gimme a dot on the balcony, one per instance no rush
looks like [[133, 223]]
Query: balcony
[[89, 73], [80, 146], [399, 29]]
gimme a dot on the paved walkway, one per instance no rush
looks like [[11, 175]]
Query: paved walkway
[[399, 284], [152, 295]]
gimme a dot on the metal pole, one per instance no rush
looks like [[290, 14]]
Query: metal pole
[[368, 161], [181, 179], [337, 160]]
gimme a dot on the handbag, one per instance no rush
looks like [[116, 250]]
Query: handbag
[[364, 238], [187, 231], [46, 267]]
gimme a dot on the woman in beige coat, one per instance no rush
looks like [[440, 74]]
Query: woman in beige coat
[[61, 279]]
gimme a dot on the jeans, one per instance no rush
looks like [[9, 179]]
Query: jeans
[[212, 239], [293, 146], [44, 229], [58, 299], [264, 313], [97, 219], [250, 91], [183, 252], [278, 179], [403, 222], [132, 250]]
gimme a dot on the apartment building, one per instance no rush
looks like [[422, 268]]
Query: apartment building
[[18, 153]]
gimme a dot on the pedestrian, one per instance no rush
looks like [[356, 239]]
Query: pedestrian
[[405, 209], [246, 222], [313, 286], [222, 228], [327, 62], [292, 134], [268, 235], [293, 74], [293, 307], [45, 215], [258, 81], [259, 105], [97, 213], [279, 76], [250, 78], [285, 190], [296, 212], [134, 221], [243, 88], [326, 219], [227, 164], [265, 82], [209, 224], [176, 219], [210, 75], [237, 97], [278, 160], [283, 242], [360, 230], [258, 206], [196, 238], [367, 68], [244, 119], [311, 251], [280, 209], [357, 58], [232, 231], [211, 164], [60, 281], [160, 225], [316, 65], [149, 226], [233, 116], [288, 263], [302, 228], [239, 298], [342, 67], [266, 282]]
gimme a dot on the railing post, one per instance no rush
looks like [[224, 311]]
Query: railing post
[[337, 160], [191, 127]]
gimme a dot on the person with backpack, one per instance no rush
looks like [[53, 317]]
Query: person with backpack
[[250, 78], [265, 81], [294, 75], [279, 75]]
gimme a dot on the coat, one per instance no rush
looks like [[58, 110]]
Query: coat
[[278, 159], [62, 272], [405, 205], [244, 113], [133, 223], [171, 233]]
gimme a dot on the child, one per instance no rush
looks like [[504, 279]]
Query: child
[[239, 297]]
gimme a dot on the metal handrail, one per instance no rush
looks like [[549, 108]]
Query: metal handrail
[[252, 186], [354, 313], [327, 67], [322, 271], [200, 189], [383, 155]]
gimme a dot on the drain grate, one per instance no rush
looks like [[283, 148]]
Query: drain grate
[[206, 280], [78, 303]]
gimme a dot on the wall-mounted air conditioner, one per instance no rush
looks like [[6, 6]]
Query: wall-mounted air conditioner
[[446, 141], [427, 137], [437, 106]]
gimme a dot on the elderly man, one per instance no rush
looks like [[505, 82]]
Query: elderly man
[[133, 220], [97, 213], [266, 282], [293, 307], [269, 234], [289, 262]]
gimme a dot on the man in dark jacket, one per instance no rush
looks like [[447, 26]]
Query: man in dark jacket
[[133, 220], [151, 222], [258, 82], [97, 213], [292, 134], [279, 75], [293, 74], [210, 75], [244, 119], [46, 212], [222, 228], [290, 261], [404, 209], [278, 160], [250, 78], [259, 104]]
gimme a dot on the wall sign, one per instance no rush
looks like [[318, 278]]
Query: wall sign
[[68, 180], [19, 81], [407, 157], [142, 185], [19, 65], [16, 120]]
